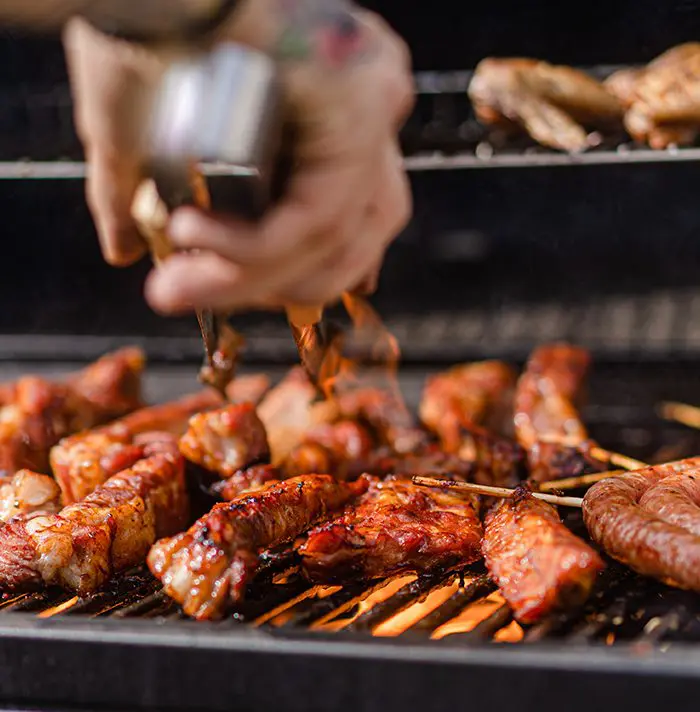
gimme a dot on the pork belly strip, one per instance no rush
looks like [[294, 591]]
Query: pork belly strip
[[638, 536], [82, 462], [547, 421], [395, 526], [207, 567], [112, 529], [226, 440], [537, 563], [468, 407], [37, 413]]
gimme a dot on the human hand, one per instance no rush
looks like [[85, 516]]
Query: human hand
[[348, 87]]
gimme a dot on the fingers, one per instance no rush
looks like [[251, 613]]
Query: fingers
[[110, 81]]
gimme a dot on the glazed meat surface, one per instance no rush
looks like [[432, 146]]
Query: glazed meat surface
[[226, 440], [468, 408], [207, 567], [395, 526], [27, 492], [246, 481], [675, 500], [37, 413], [662, 99], [82, 462], [547, 422], [538, 564], [112, 529], [468, 395], [248, 389], [553, 104], [639, 536], [343, 449]]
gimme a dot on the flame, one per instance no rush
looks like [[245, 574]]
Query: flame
[[368, 340]]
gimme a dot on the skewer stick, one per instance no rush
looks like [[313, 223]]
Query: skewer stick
[[681, 413], [502, 492], [580, 481], [615, 458]]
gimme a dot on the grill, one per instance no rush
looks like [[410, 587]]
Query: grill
[[366, 646], [600, 249]]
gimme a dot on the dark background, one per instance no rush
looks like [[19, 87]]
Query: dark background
[[480, 239]]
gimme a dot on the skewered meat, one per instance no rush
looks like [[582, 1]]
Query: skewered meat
[[288, 412], [547, 422], [643, 537], [226, 440], [463, 406], [26, 492], [82, 462], [396, 526], [248, 389], [538, 564], [209, 565], [246, 481], [551, 103], [343, 449], [37, 413], [110, 530], [662, 99]]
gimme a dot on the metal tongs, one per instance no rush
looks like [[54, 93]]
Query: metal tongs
[[221, 108]]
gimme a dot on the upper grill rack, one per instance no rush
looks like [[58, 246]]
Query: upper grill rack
[[39, 141]]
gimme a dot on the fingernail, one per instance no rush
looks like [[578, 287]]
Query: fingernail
[[183, 223]]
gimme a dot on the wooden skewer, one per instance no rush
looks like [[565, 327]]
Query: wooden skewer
[[502, 492], [580, 481], [615, 458], [681, 413]]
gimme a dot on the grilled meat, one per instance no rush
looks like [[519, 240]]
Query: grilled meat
[[246, 481], [395, 526], [27, 492], [226, 440], [248, 389], [207, 567], [552, 104], [646, 538], [37, 413], [675, 500], [468, 407], [663, 99], [547, 422], [82, 462], [538, 564], [112, 529], [343, 449]]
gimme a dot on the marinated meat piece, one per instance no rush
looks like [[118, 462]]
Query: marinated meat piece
[[27, 492], [662, 99], [387, 416], [538, 564], [429, 461], [395, 526], [37, 413], [675, 500], [460, 404], [207, 567], [226, 440], [246, 481], [465, 396], [637, 536], [343, 449], [552, 104], [82, 462], [80, 548], [547, 421], [248, 389]]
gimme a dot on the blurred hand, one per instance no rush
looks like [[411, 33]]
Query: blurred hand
[[348, 199]]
